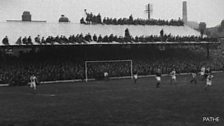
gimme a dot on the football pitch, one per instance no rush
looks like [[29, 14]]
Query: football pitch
[[115, 103]]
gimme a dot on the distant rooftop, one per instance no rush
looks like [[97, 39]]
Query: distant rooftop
[[63, 19], [26, 13], [26, 16]]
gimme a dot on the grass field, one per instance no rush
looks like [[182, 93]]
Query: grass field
[[114, 103]]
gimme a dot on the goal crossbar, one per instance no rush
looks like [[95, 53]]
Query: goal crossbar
[[106, 61]]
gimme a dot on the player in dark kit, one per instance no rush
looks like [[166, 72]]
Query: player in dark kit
[[207, 72], [158, 77], [194, 77], [208, 81]]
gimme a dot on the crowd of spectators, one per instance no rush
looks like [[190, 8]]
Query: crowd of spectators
[[96, 19], [80, 38], [66, 63]]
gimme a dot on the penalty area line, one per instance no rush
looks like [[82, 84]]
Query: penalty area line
[[47, 95]]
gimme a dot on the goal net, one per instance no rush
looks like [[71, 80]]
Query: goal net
[[114, 69]]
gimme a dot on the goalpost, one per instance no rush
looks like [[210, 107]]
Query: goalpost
[[101, 64]]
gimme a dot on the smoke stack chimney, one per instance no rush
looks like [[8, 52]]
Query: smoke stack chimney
[[185, 12]]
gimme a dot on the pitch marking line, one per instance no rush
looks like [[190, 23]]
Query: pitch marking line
[[47, 95]]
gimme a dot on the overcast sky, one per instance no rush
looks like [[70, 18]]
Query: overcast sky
[[209, 11]]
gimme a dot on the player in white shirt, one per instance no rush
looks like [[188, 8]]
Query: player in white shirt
[[135, 76], [106, 75], [33, 81], [202, 73], [158, 77], [209, 81], [173, 76]]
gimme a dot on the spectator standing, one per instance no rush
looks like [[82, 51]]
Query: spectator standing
[[5, 40], [29, 40], [19, 41]]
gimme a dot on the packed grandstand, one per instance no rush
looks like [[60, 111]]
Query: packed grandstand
[[96, 19], [67, 63]]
